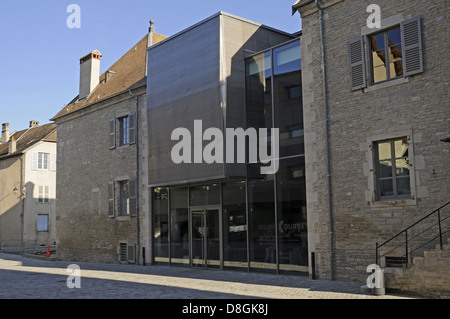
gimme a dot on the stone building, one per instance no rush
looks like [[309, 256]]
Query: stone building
[[27, 187], [377, 116], [103, 161]]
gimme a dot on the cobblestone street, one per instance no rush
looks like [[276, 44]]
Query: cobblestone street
[[22, 277]]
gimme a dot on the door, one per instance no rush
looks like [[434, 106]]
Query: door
[[205, 238]]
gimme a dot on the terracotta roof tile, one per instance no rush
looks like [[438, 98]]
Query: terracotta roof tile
[[126, 72], [26, 138]]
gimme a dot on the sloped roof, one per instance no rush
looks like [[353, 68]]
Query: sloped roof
[[29, 137], [126, 72]]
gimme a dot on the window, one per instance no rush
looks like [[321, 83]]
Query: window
[[386, 55], [42, 223], [127, 131], [43, 197], [43, 160], [392, 169], [124, 208], [123, 127], [127, 198], [395, 52]]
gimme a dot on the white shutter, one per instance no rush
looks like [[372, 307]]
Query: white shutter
[[412, 46], [357, 63], [34, 165], [53, 162]]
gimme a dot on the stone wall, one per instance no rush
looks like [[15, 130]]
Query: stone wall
[[415, 107], [86, 166]]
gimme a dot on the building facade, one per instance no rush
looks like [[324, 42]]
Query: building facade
[[28, 187], [376, 113], [102, 160], [214, 208]]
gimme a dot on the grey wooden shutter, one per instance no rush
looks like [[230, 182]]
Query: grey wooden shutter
[[357, 63], [132, 196], [412, 46], [131, 253], [132, 128], [111, 207], [112, 133]]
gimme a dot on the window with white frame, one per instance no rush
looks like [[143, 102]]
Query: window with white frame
[[44, 194], [43, 159]]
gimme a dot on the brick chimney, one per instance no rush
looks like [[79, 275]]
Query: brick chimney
[[12, 145], [5, 132], [89, 73]]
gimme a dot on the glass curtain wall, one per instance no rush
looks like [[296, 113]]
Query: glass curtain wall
[[179, 226], [161, 224], [277, 203], [263, 217], [234, 215]]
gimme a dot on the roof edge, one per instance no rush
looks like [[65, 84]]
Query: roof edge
[[220, 13]]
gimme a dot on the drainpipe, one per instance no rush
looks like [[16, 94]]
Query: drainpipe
[[325, 93], [138, 246]]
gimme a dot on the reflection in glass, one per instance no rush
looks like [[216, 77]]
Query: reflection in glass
[[393, 168], [403, 186], [179, 226], [292, 222], [160, 224], [288, 108], [259, 92], [386, 55], [234, 225], [205, 195], [384, 151], [261, 206]]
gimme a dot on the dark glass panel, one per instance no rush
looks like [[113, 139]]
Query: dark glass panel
[[161, 224], [261, 205], [234, 225], [179, 226], [205, 195], [292, 222]]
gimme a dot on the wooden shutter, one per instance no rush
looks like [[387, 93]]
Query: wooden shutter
[[53, 162], [412, 46], [357, 63], [34, 165], [131, 253], [132, 128], [132, 196], [111, 207], [112, 133]]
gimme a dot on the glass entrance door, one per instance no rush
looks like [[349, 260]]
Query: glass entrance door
[[205, 238]]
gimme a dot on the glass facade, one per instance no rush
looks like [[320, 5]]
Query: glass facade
[[256, 222]]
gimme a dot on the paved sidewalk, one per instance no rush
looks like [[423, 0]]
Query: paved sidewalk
[[26, 278]]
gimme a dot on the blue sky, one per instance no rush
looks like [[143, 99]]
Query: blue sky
[[39, 54]]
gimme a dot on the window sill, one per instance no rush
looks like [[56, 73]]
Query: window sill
[[123, 217], [394, 202], [386, 84]]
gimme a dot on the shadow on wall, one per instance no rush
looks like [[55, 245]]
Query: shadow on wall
[[26, 221]]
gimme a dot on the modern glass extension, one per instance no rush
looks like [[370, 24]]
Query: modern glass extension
[[256, 222]]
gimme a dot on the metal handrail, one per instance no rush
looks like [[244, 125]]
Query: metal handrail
[[405, 232]]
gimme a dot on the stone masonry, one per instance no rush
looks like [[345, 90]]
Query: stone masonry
[[414, 106]]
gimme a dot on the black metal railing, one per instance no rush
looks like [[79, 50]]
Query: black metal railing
[[413, 240]]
